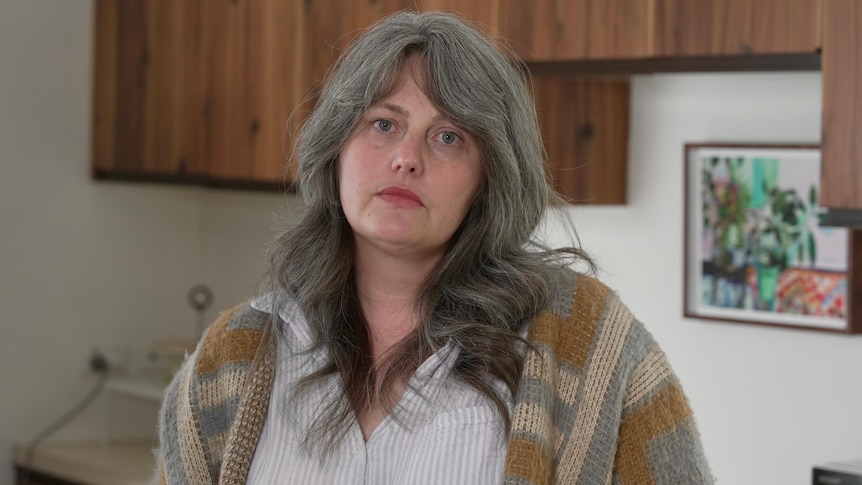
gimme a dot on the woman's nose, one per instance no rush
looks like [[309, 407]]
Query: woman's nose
[[408, 155]]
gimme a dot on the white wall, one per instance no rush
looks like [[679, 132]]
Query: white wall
[[86, 263], [770, 402], [237, 227]]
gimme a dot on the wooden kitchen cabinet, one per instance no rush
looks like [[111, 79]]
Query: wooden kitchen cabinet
[[841, 166], [192, 90], [578, 30], [147, 101], [213, 91], [487, 14], [736, 27], [249, 69], [548, 30], [585, 129]]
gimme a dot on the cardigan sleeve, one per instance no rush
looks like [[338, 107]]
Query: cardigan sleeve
[[598, 401], [658, 439], [201, 402], [181, 458]]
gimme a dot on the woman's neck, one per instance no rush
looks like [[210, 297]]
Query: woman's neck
[[387, 288]]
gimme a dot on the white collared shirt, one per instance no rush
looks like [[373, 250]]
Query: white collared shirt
[[451, 433]]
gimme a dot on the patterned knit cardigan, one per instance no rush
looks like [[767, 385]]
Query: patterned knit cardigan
[[597, 404]]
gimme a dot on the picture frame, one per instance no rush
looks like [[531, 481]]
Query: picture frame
[[755, 252]]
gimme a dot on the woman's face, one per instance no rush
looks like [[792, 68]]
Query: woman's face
[[407, 175]]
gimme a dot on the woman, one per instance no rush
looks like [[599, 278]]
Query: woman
[[415, 332]]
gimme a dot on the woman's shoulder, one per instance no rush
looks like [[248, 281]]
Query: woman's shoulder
[[581, 308], [200, 404], [571, 290], [234, 337]]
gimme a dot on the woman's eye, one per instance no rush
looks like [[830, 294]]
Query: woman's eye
[[448, 137], [383, 125]]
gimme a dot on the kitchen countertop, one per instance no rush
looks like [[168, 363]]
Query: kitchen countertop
[[92, 463]]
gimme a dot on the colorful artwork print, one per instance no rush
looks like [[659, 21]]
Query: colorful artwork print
[[756, 251]]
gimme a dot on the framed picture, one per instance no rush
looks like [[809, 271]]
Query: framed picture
[[754, 249]]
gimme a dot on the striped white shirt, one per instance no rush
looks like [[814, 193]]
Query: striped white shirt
[[450, 434]]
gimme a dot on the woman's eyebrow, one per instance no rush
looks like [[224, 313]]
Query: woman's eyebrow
[[395, 108]]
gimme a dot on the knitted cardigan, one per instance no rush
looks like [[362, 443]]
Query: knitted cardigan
[[597, 402]]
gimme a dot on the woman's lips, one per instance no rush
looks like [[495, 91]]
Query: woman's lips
[[400, 197]]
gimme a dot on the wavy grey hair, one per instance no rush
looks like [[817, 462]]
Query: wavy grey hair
[[493, 278]]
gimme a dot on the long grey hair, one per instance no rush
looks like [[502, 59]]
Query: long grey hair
[[493, 278]]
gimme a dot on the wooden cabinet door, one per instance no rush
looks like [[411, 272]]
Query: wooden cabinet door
[[214, 90], [195, 90], [249, 73], [565, 30], [486, 14], [736, 27], [147, 103], [585, 130], [841, 166]]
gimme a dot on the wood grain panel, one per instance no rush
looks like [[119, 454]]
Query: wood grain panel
[[172, 140], [254, 131], [190, 108], [732, 27], [779, 26], [619, 29], [277, 81], [145, 88], [224, 48], [486, 14], [132, 61], [251, 65], [547, 30], [683, 27], [322, 28], [585, 129], [841, 167], [105, 73], [533, 27]]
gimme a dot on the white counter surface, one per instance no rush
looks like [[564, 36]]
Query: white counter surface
[[92, 464]]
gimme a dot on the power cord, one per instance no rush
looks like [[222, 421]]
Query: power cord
[[98, 364]]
